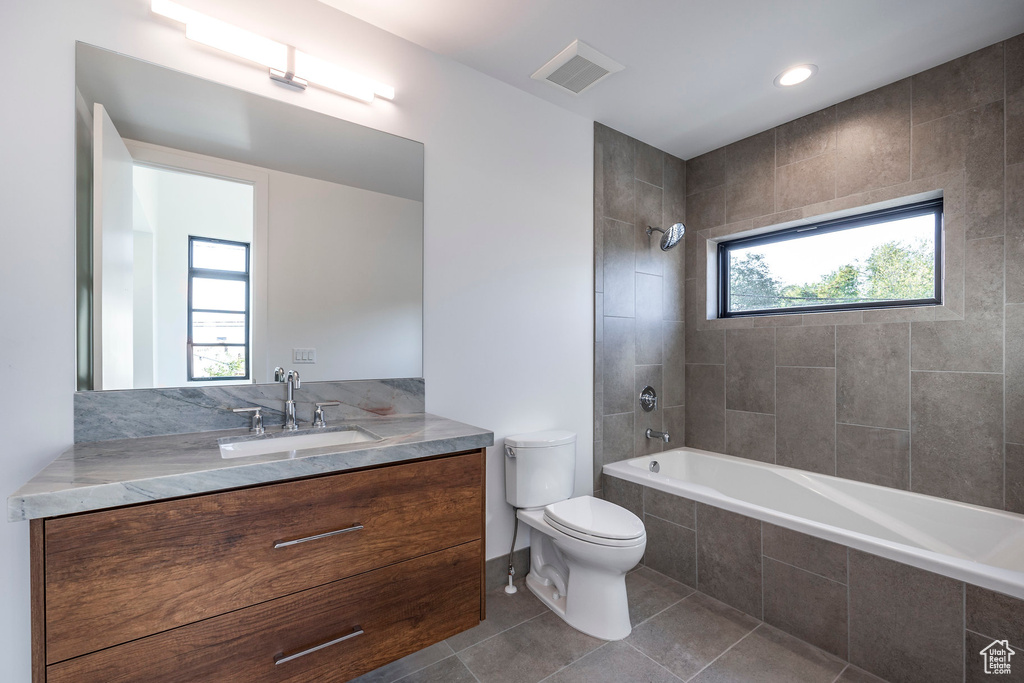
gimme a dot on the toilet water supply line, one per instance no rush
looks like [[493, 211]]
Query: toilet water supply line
[[510, 588]]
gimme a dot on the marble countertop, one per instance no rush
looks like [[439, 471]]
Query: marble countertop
[[106, 474]]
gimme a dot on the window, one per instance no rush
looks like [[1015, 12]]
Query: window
[[874, 260], [218, 309]]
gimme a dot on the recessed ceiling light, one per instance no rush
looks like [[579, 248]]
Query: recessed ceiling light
[[795, 74]]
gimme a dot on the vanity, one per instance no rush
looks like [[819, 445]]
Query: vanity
[[211, 523], [263, 573]]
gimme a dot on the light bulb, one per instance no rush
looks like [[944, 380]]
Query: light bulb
[[795, 74], [238, 41]]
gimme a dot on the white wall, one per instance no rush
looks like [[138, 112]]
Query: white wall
[[344, 269], [507, 229], [345, 277], [143, 320]]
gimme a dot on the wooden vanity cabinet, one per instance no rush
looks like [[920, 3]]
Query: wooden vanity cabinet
[[246, 585]]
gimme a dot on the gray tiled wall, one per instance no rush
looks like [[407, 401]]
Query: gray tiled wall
[[908, 398], [896, 621], [639, 297]]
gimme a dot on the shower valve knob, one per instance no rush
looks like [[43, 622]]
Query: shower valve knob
[[648, 399]]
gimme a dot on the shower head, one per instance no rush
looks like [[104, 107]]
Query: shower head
[[670, 237]]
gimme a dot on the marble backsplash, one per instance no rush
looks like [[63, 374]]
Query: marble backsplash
[[105, 415]]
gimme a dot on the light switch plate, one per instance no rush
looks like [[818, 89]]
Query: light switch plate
[[304, 356]]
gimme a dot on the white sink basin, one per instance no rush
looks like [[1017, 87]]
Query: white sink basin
[[292, 443]]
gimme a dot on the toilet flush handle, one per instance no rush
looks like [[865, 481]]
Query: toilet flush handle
[[510, 452]]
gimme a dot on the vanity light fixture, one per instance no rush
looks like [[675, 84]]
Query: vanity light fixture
[[795, 74], [286, 64]]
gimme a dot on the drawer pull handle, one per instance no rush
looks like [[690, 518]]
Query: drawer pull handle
[[281, 659], [285, 544]]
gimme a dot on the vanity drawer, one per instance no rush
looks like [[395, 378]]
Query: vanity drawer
[[399, 609], [118, 575]]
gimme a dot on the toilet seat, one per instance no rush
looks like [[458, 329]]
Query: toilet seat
[[595, 521]]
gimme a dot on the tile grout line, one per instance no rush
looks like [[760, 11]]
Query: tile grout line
[[835, 370], [415, 671], [835, 137], [835, 394], [762, 558], [849, 621], [910, 403], [725, 391], [475, 677], [840, 675], [696, 551], [775, 417], [983, 635], [955, 372], [1005, 221], [636, 295], [604, 644], [466, 666], [495, 635], [775, 169], [807, 571], [886, 429], [659, 664], [724, 652], [682, 526], [910, 128], [692, 592]]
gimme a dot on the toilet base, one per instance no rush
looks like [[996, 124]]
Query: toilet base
[[546, 593], [607, 619], [594, 601], [588, 579]]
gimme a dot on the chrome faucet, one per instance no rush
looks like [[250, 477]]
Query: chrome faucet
[[292, 379], [655, 434]]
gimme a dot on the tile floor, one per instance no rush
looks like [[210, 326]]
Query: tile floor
[[678, 635]]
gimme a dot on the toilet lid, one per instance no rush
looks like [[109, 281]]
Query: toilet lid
[[595, 517]]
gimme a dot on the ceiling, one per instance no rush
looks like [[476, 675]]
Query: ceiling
[[699, 72], [153, 104]]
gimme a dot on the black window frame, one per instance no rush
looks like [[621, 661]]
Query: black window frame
[[931, 206], [212, 274]]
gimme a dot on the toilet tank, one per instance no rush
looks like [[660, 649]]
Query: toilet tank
[[540, 468]]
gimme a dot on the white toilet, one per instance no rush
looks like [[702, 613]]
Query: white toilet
[[580, 548]]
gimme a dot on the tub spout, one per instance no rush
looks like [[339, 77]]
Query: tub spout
[[655, 434]]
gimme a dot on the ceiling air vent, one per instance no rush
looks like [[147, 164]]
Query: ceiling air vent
[[576, 68]]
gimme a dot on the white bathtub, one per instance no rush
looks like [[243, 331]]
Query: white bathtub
[[975, 544]]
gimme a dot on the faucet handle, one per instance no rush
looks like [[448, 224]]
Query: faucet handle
[[318, 416], [256, 426]]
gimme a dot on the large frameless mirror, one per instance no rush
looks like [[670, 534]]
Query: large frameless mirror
[[222, 233]]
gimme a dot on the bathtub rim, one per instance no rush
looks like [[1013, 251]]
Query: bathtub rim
[[998, 579]]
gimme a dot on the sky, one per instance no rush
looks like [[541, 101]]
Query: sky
[[806, 260]]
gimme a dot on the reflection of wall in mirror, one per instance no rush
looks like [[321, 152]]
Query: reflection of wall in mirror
[[344, 271], [345, 277]]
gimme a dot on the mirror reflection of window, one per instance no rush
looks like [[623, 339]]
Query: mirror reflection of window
[[193, 298], [218, 306]]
